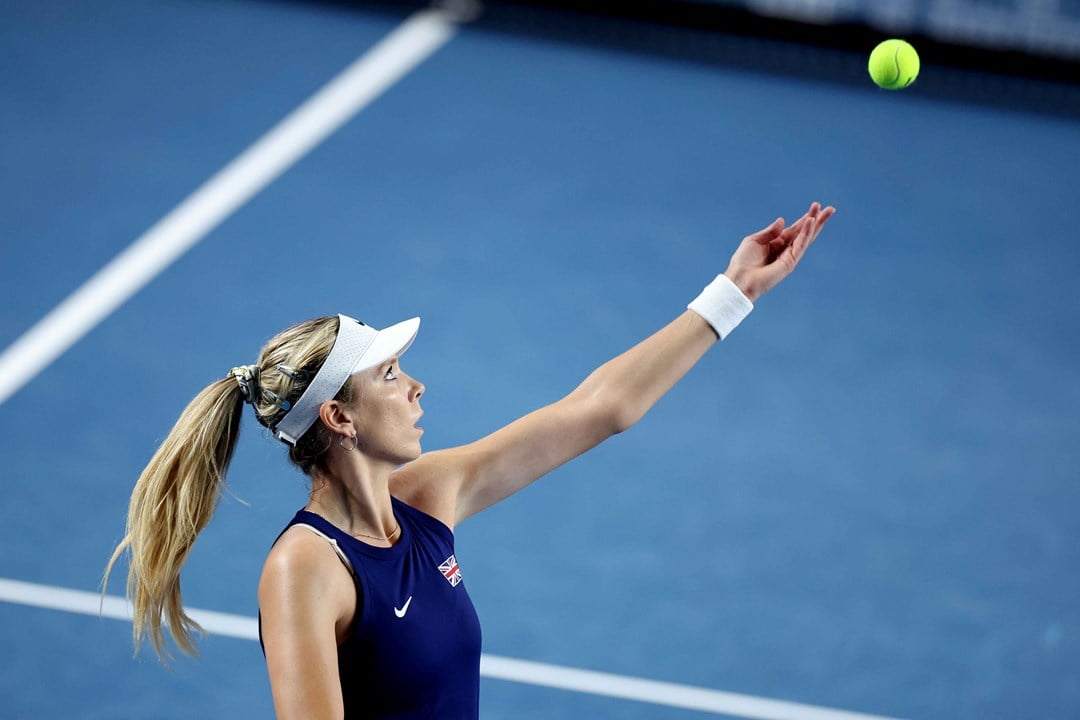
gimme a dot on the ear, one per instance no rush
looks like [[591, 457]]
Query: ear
[[338, 418]]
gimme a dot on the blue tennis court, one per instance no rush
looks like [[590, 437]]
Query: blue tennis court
[[865, 500]]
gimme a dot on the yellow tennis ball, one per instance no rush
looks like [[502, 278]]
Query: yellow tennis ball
[[894, 64]]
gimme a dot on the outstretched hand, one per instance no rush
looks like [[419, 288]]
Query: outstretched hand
[[769, 255]]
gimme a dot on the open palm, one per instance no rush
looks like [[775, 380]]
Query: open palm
[[768, 256]]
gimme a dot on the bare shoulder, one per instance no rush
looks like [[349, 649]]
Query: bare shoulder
[[301, 570], [299, 551], [431, 482]]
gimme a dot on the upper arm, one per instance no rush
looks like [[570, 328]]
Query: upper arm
[[454, 484], [457, 483], [304, 593]]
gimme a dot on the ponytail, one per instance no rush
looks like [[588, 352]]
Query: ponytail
[[172, 502], [177, 493]]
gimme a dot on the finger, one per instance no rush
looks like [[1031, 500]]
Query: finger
[[803, 240], [812, 211], [767, 234], [790, 233], [792, 230], [821, 220]]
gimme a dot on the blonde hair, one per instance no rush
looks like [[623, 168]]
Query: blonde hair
[[177, 493]]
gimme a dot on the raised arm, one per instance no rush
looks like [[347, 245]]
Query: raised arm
[[459, 482]]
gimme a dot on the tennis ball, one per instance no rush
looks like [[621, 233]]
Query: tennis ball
[[894, 64]]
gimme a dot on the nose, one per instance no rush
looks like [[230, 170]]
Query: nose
[[416, 390]]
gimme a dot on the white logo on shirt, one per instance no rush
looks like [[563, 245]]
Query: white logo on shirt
[[405, 608]]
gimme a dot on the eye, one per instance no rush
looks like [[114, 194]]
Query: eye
[[390, 374]]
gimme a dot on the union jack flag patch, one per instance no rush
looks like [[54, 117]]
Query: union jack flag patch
[[450, 570]]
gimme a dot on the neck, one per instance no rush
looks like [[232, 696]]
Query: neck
[[355, 496]]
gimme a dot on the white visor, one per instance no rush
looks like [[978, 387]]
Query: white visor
[[358, 347]]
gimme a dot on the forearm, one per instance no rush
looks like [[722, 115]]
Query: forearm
[[624, 388], [634, 381]]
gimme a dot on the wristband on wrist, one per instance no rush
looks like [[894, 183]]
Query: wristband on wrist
[[722, 305]]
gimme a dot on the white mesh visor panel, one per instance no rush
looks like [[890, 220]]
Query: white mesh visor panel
[[358, 347]]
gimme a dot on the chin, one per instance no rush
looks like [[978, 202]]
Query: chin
[[412, 453]]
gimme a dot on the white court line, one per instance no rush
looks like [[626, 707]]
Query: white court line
[[492, 666], [251, 171]]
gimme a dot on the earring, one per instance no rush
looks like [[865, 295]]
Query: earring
[[341, 442]]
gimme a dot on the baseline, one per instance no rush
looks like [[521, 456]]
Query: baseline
[[493, 666]]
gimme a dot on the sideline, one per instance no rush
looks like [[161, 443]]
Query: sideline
[[356, 87]]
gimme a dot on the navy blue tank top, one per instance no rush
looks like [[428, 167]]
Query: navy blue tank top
[[414, 647]]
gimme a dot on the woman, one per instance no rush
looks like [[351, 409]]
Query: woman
[[362, 610]]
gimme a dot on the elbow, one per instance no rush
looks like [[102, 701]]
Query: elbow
[[624, 419], [602, 416], [610, 411], [619, 415]]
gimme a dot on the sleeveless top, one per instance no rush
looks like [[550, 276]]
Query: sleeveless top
[[413, 650]]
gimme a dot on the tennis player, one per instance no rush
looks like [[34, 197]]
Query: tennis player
[[363, 611]]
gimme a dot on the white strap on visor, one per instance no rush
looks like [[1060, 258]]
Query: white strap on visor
[[357, 347]]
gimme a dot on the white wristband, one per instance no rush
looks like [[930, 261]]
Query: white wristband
[[722, 304]]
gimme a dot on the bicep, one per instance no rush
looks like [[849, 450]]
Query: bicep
[[299, 610]]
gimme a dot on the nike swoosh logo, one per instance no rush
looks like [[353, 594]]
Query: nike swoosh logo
[[401, 613]]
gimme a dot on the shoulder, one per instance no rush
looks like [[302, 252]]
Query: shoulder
[[431, 483], [302, 570]]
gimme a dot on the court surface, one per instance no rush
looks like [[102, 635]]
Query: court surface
[[866, 499]]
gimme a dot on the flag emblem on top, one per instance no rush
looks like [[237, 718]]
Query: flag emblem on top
[[450, 570]]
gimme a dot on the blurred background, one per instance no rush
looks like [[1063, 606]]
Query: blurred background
[[864, 500]]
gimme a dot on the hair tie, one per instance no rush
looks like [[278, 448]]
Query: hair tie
[[247, 377]]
